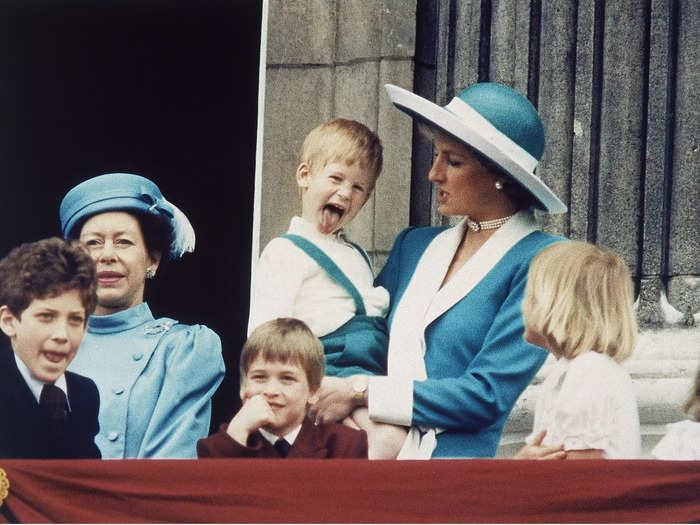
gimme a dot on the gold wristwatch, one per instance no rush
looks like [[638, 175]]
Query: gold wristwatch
[[359, 387]]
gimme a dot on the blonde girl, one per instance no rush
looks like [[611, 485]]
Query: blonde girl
[[579, 306]]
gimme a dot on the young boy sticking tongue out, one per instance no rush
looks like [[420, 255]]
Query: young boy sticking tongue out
[[315, 274]]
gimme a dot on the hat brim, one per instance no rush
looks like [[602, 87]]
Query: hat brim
[[476, 137], [128, 204]]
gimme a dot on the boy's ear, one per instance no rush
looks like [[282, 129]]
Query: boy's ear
[[303, 174], [8, 321], [313, 398], [241, 392], [371, 190]]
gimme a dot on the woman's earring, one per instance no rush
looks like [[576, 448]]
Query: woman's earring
[[150, 273], [499, 185]]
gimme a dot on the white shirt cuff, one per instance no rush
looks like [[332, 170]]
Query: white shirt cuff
[[390, 401]]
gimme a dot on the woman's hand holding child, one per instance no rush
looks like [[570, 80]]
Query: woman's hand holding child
[[336, 400]]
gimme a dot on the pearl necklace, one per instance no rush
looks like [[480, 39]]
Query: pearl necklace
[[487, 225]]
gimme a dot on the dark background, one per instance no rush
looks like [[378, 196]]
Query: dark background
[[164, 89]]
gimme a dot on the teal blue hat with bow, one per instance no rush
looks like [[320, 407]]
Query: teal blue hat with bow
[[496, 121], [125, 192]]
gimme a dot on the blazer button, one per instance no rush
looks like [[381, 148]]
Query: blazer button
[[137, 356], [117, 390], [112, 436]]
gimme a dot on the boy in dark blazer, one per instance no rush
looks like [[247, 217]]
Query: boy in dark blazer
[[47, 291], [281, 366]]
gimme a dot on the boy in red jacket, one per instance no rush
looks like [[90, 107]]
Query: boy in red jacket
[[281, 366]]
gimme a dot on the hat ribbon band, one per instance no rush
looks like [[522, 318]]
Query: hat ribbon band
[[159, 207], [483, 127]]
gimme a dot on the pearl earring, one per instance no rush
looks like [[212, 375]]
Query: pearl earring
[[499, 185]]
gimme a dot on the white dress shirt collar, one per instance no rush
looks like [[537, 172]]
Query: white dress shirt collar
[[290, 437], [35, 385]]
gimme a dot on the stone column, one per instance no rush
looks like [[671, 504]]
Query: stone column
[[327, 59]]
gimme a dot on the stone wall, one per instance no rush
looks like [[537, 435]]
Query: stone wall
[[328, 59]]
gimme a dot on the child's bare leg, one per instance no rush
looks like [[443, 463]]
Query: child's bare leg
[[384, 440], [350, 422]]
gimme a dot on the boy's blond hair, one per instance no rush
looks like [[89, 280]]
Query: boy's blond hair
[[579, 297], [342, 140], [285, 340]]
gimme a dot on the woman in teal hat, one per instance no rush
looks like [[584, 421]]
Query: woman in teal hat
[[155, 377], [457, 358]]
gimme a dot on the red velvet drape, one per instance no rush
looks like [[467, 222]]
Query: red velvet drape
[[235, 490]]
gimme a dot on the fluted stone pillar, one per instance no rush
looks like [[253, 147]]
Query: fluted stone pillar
[[327, 59]]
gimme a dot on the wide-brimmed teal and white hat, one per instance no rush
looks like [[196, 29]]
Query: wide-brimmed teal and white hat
[[497, 122]]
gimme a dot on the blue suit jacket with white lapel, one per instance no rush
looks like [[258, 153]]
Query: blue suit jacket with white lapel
[[477, 361]]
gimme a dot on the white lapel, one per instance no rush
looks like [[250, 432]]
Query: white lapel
[[480, 264], [424, 300], [405, 356]]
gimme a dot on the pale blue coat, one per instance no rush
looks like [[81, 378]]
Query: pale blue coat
[[476, 359], [156, 378]]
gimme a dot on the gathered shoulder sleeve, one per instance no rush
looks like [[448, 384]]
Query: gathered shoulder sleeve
[[587, 405], [192, 369], [279, 275]]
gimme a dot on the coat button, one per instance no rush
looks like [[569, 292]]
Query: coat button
[[137, 356], [112, 436], [117, 390]]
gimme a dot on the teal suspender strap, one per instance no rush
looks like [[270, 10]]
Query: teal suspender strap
[[330, 267], [364, 254]]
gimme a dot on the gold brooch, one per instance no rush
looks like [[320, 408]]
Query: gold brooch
[[4, 486]]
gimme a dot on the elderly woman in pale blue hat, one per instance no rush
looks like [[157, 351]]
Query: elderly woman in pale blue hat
[[156, 377], [457, 357]]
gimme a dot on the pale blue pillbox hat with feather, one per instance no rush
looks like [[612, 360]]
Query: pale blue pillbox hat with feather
[[498, 122], [125, 192]]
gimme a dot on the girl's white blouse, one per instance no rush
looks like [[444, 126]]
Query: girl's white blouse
[[588, 403], [682, 442]]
